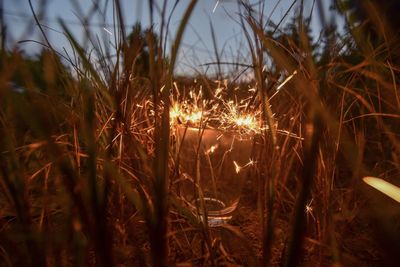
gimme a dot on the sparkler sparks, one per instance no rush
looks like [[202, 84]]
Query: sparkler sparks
[[237, 119], [309, 210], [237, 116], [250, 163], [186, 113], [211, 149], [237, 167], [227, 115]]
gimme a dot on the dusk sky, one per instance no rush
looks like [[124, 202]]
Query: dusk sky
[[197, 46]]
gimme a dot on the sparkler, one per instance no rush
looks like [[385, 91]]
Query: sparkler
[[215, 138], [238, 168], [217, 113], [216, 162], [178, 113], [222, 114], [234, 118], [227, 115]]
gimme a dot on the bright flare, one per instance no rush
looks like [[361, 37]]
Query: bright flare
[[236, 118], [211, 149], [388, 189]]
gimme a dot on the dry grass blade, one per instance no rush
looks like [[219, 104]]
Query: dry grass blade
[[158, 235], [388, 189], [307, 177]]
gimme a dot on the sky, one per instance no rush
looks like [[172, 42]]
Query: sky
[[196, 48]]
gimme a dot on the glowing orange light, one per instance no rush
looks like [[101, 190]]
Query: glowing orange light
[[211, 150], [236, 118], [228, 115]]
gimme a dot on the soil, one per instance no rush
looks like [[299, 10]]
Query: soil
[[359, 237]]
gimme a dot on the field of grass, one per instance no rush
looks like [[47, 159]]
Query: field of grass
[[89, 167]]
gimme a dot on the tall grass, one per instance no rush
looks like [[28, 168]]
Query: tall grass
[[88, 166]]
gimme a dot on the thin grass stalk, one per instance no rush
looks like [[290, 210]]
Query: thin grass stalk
[[201, 209], [40, 26], [87, 65], [268, 183], [3, 30], [216, 52], [159, 227], [261, 181], [97, 226], [163, 28], [15, 188], [295, 246], [98, 193], [37, 125]]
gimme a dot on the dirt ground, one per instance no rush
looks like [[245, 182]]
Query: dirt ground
[[362, 237]]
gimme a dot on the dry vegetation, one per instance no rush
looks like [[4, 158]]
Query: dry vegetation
[[88, 164]]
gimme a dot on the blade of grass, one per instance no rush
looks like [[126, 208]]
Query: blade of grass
[[158, 234], [307, 176]]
